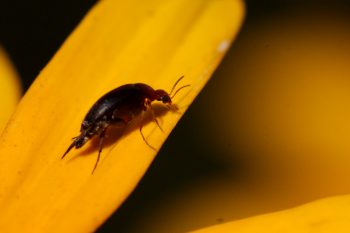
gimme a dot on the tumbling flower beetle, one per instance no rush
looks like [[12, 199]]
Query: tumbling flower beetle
[[120, 105]]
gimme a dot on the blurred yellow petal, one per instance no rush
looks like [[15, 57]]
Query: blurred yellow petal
[[10, 90], [277, 135], [323, 216], [119, 42]]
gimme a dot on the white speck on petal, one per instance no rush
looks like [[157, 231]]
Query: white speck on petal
[[223, 46]]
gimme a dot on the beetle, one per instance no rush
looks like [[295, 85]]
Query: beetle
[[120, 106]]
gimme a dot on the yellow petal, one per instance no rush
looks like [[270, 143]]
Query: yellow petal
[[119, 42], [281, 133], [323, 216], [10, 90]]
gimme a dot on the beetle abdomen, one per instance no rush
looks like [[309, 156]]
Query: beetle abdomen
[[126, 98]]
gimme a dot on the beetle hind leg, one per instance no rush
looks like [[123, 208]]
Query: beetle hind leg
[[102, 137], [69, 148], [74, 144]]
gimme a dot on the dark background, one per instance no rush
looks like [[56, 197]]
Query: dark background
[[31, 32]]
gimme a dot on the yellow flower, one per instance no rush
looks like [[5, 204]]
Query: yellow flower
[[10, 90], [328, 215], [276, 122], [275, 117], [154, 42]]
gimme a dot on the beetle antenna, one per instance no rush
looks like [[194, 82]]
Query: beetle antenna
[[179, 90], [172, 89]]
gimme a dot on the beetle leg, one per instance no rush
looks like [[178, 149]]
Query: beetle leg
[[102, 137], [148, 105], [143, 136], [155, 118], [72, 145], [69, 148]]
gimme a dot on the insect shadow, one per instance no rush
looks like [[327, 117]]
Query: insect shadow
[[116, 132]]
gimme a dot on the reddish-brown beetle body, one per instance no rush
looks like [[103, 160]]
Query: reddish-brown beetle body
[[120, 105]]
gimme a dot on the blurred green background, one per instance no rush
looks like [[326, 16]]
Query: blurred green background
[[270, 130]]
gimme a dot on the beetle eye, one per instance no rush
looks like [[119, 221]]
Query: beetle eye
[[166, 99]]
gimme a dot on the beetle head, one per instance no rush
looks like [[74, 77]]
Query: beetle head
[[163, 96]]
